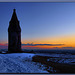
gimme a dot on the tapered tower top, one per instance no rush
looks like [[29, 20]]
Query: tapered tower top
[[14, 16], [14, 23], [14, 10]]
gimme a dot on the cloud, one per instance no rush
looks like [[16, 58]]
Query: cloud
[[56, 47], [42, 44], [3, 46]]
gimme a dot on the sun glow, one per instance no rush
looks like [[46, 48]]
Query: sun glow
[[68, 41]]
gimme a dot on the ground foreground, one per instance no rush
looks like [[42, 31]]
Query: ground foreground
[[37, 63], [19, 63]]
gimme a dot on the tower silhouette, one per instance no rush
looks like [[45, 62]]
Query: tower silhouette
[[14, 34]]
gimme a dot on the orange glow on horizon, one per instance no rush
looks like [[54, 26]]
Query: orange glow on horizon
[[67, 40], [48, 47]]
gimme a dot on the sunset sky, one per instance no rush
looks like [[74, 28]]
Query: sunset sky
[[44, 25]]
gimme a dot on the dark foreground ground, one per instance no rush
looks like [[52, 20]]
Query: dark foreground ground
[[55, 61], [62, 68]]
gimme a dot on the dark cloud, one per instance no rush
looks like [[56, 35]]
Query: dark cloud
[[3, 47], [55, 47], [42, 44]]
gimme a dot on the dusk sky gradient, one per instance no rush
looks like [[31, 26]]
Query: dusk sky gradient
[[41, 23]]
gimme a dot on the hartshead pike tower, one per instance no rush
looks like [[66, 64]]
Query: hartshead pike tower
[[14, 34]]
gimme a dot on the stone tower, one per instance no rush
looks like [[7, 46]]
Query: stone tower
[[14, 34]]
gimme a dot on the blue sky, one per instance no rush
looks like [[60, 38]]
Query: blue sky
[[39, 20]]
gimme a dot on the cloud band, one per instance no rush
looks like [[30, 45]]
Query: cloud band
[[42, 44]]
